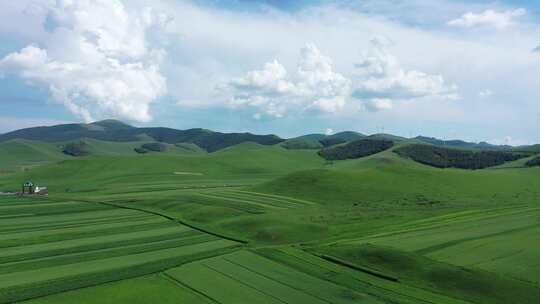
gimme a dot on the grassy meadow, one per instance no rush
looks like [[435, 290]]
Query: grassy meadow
[[263, 224]]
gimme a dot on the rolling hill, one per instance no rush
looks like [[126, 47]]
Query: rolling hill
[[116, 131], [258, 223]]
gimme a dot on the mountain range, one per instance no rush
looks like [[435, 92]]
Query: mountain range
[[211, 141]]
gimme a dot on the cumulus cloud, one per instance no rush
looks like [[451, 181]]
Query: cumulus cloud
[[377, 104], [379, 79], [275, 92], [489, 18], [328, 131], [95, 60]]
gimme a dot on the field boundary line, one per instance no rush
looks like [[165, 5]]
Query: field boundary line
[[364, 269], [172, 219], [435, 248], [178, 282], [425, 228], [242, 283], [367, 284], [49, 287], [271, 279], [242, 201]]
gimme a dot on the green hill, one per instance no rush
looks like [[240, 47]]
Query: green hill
[[457, 158], [111, 130], [19, 153], [459, 143], [387, 179], [268, 223], [301, 143], [317, 141]]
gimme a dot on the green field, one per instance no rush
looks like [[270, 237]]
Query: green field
[[263, 224]]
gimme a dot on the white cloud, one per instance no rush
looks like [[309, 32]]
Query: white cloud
[[328, 131], [379, 78], [95, 61], [210, 46], [377, 104], [485, 93], [489, 18], [273, 90]]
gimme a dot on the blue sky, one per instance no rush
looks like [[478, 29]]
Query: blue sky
[[450, 69]]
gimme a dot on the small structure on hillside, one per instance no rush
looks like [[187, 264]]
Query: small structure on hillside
[[29, 188]]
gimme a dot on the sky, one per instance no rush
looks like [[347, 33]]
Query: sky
[[441, 68]]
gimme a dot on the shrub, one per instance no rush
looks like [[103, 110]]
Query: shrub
[[141, 150], [535, 162], [356, 149], [80, 148], [453, 158], [156, 147], [151, 147]]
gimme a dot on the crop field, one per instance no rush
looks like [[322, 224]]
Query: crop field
[[141, 290], [497, 240], [282, 227], [56, 246]]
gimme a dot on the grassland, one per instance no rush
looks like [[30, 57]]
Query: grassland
[[263, 224]]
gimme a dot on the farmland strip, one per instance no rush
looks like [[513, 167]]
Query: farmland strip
[[104, 253], [30, 284], [84, 234], [39, 253]]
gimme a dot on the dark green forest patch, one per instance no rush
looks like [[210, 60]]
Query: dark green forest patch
[[454, 158], [535, 162], [356, 149]]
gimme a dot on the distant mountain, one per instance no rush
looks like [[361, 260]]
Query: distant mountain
[[459, 143], [384, 136], [113, 130], [315, 137], [317, 141], [119, 132]]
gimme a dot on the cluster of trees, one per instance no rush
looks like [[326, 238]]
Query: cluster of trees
[[79, 148], [453, 158], [356, 149], [151, 147], [332, 141], [301, 143], [535, 162]]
